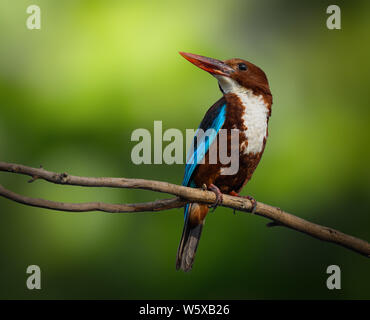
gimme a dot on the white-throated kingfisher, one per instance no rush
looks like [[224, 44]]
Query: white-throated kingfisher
[[245, 106]]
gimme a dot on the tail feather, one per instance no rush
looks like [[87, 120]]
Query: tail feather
[[189, 242]]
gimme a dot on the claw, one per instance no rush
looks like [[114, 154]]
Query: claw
[[218, 194], [234, 194], [251, 199], [254, 203]]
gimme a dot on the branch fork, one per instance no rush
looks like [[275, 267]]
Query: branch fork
[[182, 195]]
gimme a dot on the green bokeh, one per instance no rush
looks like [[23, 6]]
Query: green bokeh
[[72, 93]]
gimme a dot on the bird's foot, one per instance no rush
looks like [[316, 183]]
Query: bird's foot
[[254, 203], [218, 193], [234, 194], [250, 198]]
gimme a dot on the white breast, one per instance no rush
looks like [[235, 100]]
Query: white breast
[[255, 113], [255, 119]]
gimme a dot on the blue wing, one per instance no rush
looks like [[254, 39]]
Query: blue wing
[[214, 119]]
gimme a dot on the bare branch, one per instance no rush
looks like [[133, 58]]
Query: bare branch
[[184, 195], [158, 205]]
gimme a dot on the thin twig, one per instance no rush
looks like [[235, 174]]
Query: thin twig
[[184, 195], [157, 205]]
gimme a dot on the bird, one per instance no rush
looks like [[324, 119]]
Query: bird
[[245, 105]]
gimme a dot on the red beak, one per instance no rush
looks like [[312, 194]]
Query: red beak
[[213, 66]]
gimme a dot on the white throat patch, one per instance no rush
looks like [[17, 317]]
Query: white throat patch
[[255, 113]]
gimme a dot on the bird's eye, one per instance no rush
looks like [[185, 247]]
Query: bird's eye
[[242, 66]]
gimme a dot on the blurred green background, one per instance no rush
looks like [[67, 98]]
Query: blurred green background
[[72, 93]]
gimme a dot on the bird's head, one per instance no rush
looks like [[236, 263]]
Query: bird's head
[[232, 74]]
